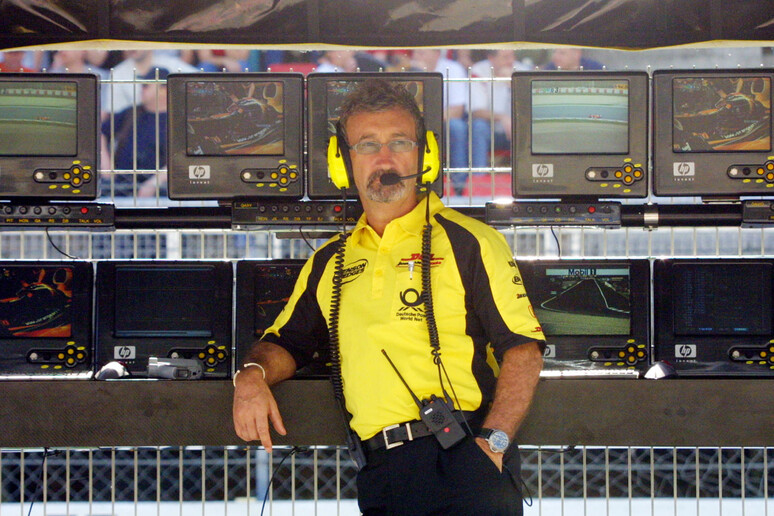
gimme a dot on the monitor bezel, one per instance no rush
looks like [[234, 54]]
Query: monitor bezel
[[17, 180], [712, 350], [710, 177], [569, 181], [225, 183], [319, 185], [572, 351], [162, 345], [17, 349]]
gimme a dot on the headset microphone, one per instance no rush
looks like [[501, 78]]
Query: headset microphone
[[391, 178]]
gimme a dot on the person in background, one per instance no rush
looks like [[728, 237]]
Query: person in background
[[337, 61], [492, 103], [150, 151], [230, 60], [570, 58], [13, 61], [137, 63], [455, 104]]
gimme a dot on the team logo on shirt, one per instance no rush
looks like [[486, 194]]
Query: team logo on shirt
[[413, 306], [353, 270], [416, 259]]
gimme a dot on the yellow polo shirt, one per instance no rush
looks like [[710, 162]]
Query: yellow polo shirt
[[480, 307]]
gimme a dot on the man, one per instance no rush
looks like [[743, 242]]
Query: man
[[478, 300], [149, 152], [492, 103]]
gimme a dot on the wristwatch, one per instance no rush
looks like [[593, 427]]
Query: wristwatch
[[497, 439]]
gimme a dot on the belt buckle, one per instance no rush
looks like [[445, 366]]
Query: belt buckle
[[387, 444]]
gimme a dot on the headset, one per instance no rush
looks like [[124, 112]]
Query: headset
[[340, 162]]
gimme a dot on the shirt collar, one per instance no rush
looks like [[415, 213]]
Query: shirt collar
[[412, 222]]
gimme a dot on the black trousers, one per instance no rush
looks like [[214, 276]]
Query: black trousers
[[421, 478]]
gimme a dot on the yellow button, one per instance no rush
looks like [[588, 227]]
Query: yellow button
[[86, 176], [621, 354], [618, 173], [66, 176], [638, 173], [770, 165], [76, 180], [628, 168], [76, 170]]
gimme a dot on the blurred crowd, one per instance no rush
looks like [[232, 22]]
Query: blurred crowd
[[134, 106]]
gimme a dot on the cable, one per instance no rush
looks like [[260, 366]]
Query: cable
[[46, 454], [556, 239], [51, 241], [295, 449], [303, 237]]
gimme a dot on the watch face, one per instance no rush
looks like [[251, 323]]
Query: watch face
[[498, 441]]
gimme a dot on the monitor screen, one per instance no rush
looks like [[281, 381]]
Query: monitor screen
[[263, 289], [580, 117], [721, 114], [326, 93], [235, 135], [235, 118], [580, 134], [166, 302], [583, 300], [595, 313], [38, 118], [712, 132], [722, 299], [36, 301], [48, 136]]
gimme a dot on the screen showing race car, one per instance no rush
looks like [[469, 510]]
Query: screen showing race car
[[721, 114], [38, 118], [580, 116], [36, 301], [582, 300], [236, 118]]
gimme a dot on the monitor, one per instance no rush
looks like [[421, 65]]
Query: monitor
[[263, 287], [235, 135], [594, 313], [712, 133], [175, 309], [46, 319], [714, 316], [326, 92], [580, 134], [49, 146]]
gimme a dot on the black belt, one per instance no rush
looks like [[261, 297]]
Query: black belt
[[395, 435]]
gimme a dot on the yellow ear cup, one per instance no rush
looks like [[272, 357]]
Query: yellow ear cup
[[431, 162], [337, 168]]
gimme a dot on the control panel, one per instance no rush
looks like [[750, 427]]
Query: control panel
[[246, 214], [625, 174], [73, 178], [531, 213], [760, 173], [282, 176], [70, 214]]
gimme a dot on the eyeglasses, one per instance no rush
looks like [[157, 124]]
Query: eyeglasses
[[372, 147]]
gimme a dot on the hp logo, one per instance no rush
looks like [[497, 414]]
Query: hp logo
[[542, 170], [199, 172], [124, 353], [684, 168], [685, 351]]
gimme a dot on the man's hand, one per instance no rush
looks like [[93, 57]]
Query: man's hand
[[254, 406], [497, 458]]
